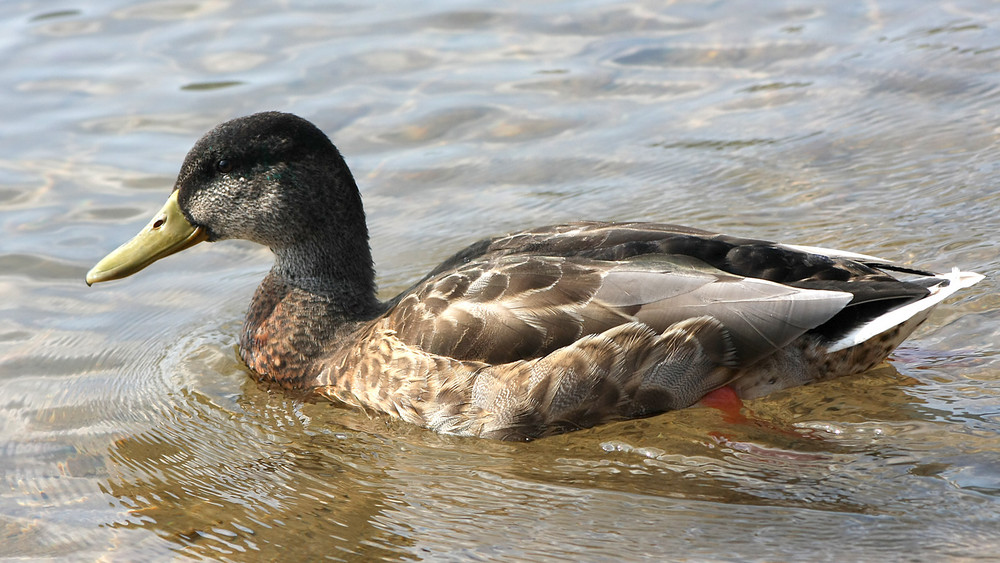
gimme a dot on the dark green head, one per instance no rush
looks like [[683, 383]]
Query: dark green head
[[271, 178]]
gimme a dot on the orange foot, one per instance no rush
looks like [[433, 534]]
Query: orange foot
[[729, 403], [726, 400]]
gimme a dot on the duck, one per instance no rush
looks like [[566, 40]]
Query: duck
[[526, 334]]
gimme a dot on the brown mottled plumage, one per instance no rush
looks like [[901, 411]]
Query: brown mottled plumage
[[528, 334]]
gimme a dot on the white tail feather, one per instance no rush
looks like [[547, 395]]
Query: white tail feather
[[956, 280]]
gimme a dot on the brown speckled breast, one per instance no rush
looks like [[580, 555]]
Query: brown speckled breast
[[287, 332]]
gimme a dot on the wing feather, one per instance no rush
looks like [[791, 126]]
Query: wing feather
[[500, 310], [760, 316], [510, 308]]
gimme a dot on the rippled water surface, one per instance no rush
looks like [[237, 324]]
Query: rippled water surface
[[129, 428]]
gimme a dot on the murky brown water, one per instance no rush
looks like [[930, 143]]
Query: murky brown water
[[129, 429]]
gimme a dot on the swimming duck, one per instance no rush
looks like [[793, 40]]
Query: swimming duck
[[527, 334]]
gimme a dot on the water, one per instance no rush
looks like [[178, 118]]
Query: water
[[129, 429]]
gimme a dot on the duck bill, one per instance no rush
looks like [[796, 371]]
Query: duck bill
[[167, 233]]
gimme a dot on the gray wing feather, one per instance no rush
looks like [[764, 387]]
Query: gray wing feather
[[760, 316]]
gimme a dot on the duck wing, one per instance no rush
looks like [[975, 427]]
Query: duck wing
[[506, 307], [874, 283]]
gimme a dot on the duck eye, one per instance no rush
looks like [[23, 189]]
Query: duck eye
[[224, 165]]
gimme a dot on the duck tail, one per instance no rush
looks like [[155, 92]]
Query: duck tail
[[912, 313]]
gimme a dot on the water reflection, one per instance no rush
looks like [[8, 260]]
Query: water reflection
[[240, 492]]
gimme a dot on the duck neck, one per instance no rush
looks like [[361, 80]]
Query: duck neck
[[312, 301], [337, 269]]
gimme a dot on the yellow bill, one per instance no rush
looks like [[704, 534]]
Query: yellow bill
[[167, 233]]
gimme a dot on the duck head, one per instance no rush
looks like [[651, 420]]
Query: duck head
[[271, 178]]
